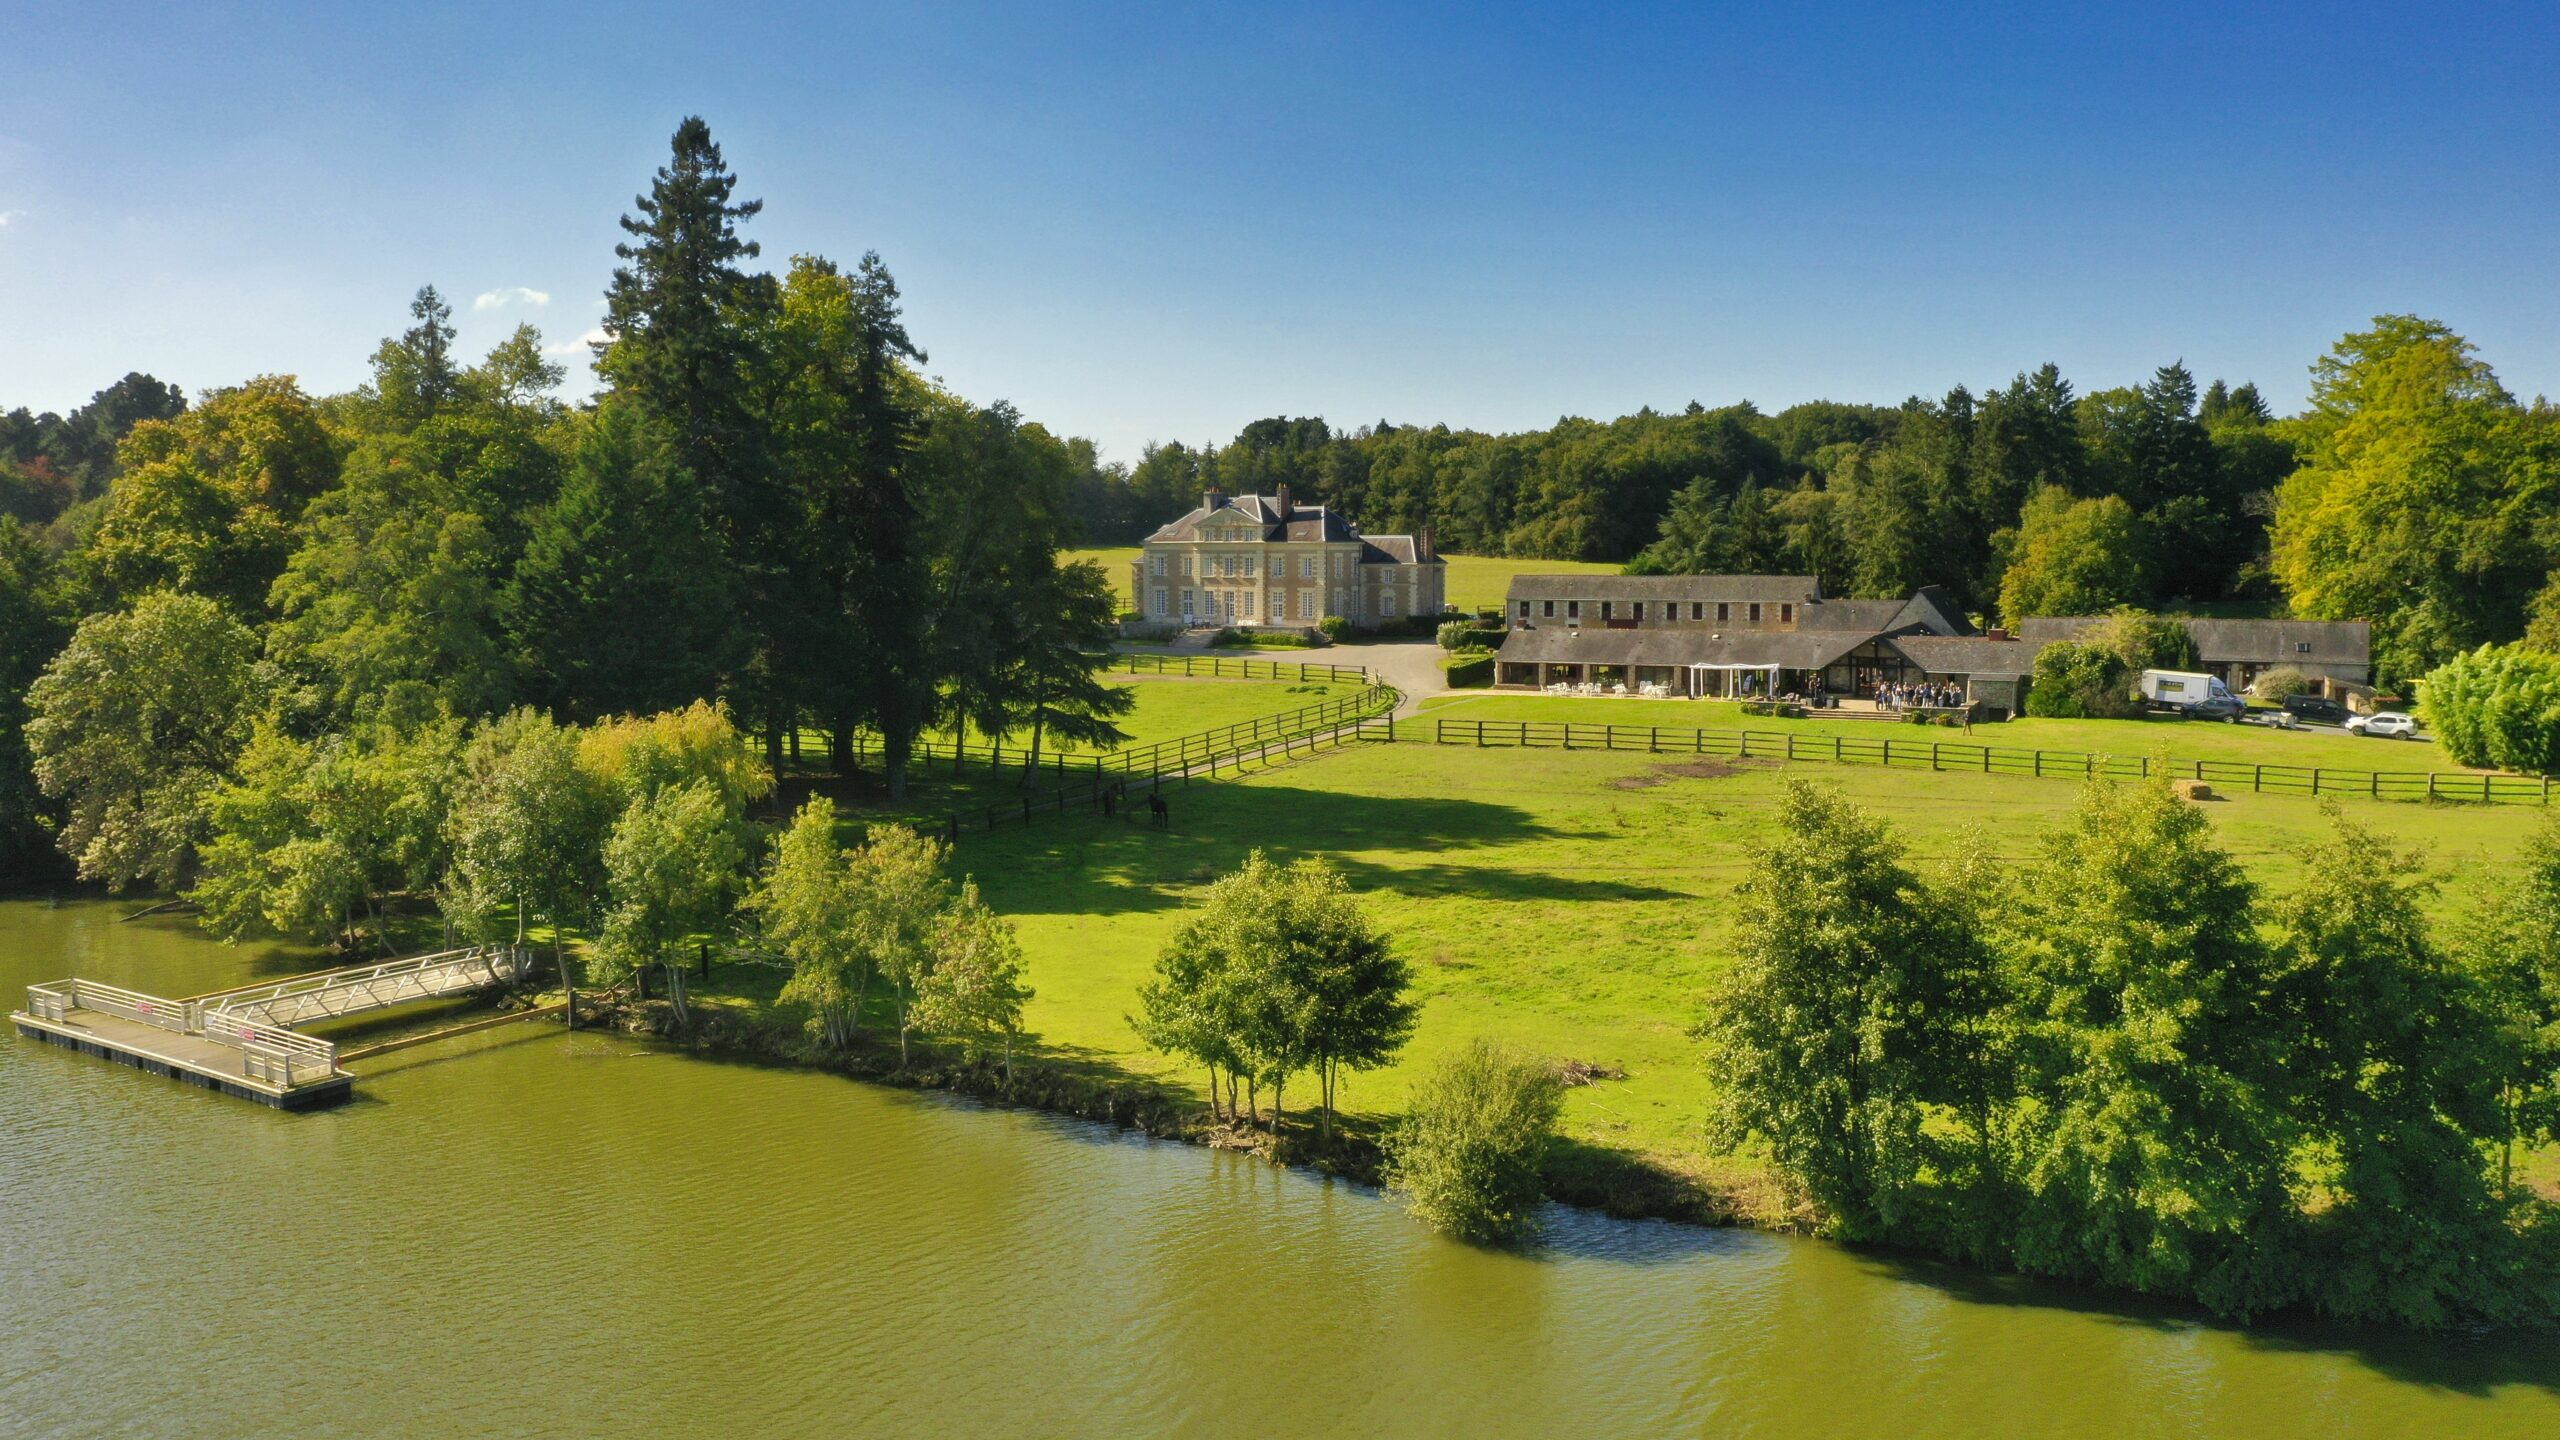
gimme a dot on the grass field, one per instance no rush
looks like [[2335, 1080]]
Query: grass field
[[1578, 905], [1476, 582], [1171, 706], [2184, 739]]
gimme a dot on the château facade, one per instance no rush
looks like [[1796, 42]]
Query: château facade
[[1265, 560]]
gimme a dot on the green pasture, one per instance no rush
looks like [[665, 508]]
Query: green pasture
[[1575, 903], [1479, 582], [1114, 560]]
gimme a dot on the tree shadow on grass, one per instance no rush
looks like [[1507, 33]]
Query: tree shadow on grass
[[2474, 1363], [1084, 864]]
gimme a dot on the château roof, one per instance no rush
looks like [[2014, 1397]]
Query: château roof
[[1275, 519]]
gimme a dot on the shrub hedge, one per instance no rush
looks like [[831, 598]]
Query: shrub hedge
[[2497, 708]]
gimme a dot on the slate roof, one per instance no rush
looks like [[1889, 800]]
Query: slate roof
[[2256, 642], [1673, 645], [1967, 654], [1307, 524], [1868, 617], [1933, 609], [1799, 588]]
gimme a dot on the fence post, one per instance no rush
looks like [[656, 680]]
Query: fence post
[[2315, 779], [1791, 744], [2373, 779], [1479, 735], [2258, 776], [2431, 784], [1835, 749]]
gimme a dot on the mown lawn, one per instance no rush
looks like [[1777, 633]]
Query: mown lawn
[[1167, 707], [1577, 904], [1171, 706], [1114, 560], [2183, 739], [1479, 582]]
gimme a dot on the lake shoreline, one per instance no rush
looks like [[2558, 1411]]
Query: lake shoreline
[[1582, 1176]]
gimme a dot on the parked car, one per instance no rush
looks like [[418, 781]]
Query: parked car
[[2315, 707], [2278, 719], [2389, 724]]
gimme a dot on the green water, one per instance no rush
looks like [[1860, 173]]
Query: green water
[[531, 1232]]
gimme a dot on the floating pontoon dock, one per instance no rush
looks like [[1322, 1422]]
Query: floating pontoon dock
[[241, 1041]]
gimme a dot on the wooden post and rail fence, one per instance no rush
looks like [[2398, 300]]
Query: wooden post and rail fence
[[1229, 667], [1148, 768], [1941, 755]]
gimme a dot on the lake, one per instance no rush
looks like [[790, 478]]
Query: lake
[[530, 1231]]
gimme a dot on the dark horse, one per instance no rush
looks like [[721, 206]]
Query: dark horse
[[1158, 813]]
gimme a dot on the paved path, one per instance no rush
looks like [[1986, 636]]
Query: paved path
[[1412, 666]]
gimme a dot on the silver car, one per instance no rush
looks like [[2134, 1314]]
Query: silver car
[[2389, 724]]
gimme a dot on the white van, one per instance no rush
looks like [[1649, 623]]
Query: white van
[[2189, 692]]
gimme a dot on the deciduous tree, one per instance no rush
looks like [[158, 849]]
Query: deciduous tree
[[135, 724]]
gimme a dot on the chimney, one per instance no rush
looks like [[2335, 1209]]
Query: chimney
[[1280, 502], [1424, 551], [1212, 500], [1995, 633]]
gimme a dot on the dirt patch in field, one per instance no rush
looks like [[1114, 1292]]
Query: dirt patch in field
[[1685, 770]]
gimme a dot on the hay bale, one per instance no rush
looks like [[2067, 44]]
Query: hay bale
[[2192, 789]]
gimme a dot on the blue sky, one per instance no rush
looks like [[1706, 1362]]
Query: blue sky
[[1161, 222]]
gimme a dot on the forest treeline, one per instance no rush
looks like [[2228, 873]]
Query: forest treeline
[[766, 506], [2414, 491]]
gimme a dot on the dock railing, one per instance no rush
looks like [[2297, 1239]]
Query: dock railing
[[50, 1002], [271, 1052], [174, 1015]]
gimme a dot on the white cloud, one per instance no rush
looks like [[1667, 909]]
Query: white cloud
[[577, 346], [506, 295], [8, 215]]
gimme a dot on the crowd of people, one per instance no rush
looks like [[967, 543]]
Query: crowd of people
[[1920, 697]]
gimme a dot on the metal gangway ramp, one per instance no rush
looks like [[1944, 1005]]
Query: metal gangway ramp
[[333, 994], [242, 1041]]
